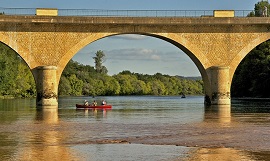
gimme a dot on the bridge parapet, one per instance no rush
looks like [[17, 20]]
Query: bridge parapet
[[136, 20], [120, 13]]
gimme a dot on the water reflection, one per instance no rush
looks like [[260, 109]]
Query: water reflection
[[213, 154], [98, 114], [8, 146], [216, 132], [45, 142], [46, 115], [218, 113]]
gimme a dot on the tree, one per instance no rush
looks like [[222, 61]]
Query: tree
[[99, 59], [112, 86], [90, 87], [76, 85], [157, 87], [259, 9], [140, 88], [251, 78], [16, 78], [64, 87], [25, 81], [79, 79], [125, 84]]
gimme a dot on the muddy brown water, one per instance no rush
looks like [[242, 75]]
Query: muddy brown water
[[137, 128]]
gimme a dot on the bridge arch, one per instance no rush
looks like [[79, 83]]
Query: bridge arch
[[20, 50], [245, 51], [183, 44], [17, 47], [21, 81]]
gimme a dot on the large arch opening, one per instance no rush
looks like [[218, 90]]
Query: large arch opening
[[150, 55], [16, 78]]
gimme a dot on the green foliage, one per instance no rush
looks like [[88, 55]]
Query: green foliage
[[123, 83], [99, 59], [251, 14], [64, 87], [76, 85], [112, 86], [156, 87], [25, 83], [259, 8], [252, 77], [16, 78]]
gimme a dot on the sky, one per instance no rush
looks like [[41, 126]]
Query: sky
[[136, 53]]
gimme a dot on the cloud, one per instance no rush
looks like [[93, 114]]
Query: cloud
[[136, 54], [174, 56], [155, 57], [133, 54], [129, 37], [143, 54]]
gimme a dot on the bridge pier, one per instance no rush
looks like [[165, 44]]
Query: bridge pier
[[220, 85], [47, 86]]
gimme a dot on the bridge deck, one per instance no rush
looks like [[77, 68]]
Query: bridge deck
[[135, 20], [120, 13]]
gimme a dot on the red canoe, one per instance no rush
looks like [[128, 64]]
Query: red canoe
[[78, 106]]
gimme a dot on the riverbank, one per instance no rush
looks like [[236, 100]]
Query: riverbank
[[7, 97]]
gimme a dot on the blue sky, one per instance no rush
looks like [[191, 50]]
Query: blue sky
[[137, 53]]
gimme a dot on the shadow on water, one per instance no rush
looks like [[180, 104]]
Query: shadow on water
[[251, 105]]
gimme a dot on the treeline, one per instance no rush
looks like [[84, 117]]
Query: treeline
[[252, 77], [16, 79], [78, 79]]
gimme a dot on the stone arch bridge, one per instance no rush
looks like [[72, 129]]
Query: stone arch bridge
[[215, 44]]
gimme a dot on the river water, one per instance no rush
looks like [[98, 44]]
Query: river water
[[147, 128]]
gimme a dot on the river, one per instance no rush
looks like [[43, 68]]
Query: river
[[147, 128]]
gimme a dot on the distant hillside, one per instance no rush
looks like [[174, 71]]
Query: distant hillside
[[191, 78]]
